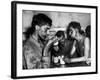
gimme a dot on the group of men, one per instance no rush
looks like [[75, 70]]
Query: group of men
[[41, 52]]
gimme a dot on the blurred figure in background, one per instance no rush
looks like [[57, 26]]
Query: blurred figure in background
[[88, 31], [88, 34]]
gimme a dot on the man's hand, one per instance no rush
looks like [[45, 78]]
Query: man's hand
[[52, 40], [88, 61], [47, 46], [46, 62], [67, 60]]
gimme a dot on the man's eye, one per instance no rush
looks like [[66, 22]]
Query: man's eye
[[46, 29]]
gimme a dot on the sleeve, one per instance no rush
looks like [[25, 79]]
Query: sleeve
[[32, 60]]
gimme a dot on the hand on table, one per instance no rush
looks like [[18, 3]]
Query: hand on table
[[67, 60]]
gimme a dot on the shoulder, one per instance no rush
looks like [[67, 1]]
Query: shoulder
[[86, 39], [27, 45], [27, 48]]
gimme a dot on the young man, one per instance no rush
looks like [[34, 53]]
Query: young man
[[35, 43], [55, 49], [80, 45]]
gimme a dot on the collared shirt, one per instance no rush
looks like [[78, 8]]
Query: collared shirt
[[32, 54]]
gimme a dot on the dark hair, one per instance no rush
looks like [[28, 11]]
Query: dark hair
[[88, 31], [40, 20], [75, 25], [60, 33]]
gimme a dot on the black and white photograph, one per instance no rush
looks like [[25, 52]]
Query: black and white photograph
[[53, 39]]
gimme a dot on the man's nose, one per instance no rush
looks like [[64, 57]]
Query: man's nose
[[47, 32]]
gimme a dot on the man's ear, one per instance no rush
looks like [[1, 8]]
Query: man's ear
[[37, 27]]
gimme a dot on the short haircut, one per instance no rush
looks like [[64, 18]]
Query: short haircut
[[60, 34], [75, 25], [40, 20]]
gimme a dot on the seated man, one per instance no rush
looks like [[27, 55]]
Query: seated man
[[56, 48]]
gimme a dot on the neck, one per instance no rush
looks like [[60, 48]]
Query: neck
[[35, 35]]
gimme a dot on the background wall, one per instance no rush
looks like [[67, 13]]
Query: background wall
[[59, 19]]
